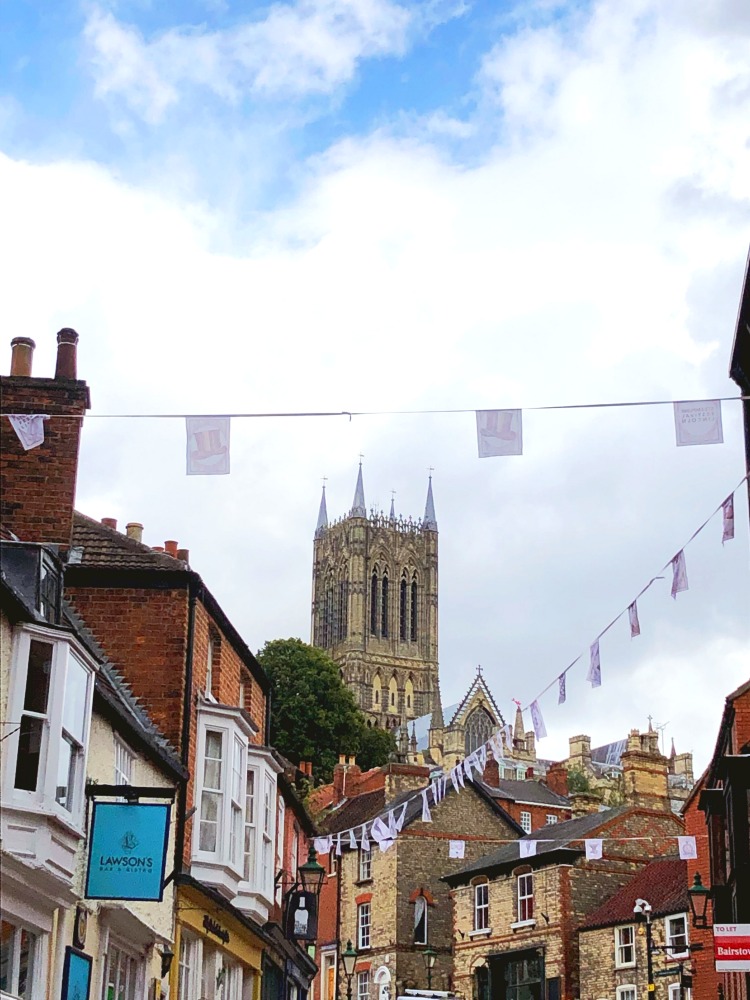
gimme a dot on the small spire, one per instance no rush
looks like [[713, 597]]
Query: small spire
[[413, 740], [673, 752], [436, 720], [518, 730], [429, 520], [322, 515], [358, 507], [392, 515]]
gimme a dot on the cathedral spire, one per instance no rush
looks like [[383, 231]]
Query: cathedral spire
[[518, 731], [322, 524], [429, 520], [358, 507], [392, 515]]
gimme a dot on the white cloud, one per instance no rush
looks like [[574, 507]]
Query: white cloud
[[298, 49], [579, 259]]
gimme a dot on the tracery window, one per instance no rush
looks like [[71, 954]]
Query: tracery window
[[384, 608], [479, 728], [414, 609], [402, 622], [343, 609], [374, 603]]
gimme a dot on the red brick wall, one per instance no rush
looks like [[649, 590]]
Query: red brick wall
[[705, 977], [538, 813], [37, 487]]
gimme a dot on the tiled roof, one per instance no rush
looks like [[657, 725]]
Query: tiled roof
[[353, 812], [526, 791], [106, 547], [663, 883], [549, 839]]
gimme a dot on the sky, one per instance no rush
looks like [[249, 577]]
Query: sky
[[372, 205]]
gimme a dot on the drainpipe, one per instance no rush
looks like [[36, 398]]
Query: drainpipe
[[187, 704]]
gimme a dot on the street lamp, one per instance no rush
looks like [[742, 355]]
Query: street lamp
[[429, 955], [698, 895], [642, 911], [311, 874], [349, 958]]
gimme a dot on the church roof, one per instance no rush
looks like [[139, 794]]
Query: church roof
[[477, 685]]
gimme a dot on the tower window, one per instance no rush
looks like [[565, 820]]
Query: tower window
[[374, 604], [413, 610], [384, 609], [343, 615], [402, 610]]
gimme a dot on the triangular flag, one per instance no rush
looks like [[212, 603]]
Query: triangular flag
[[480, 759], [322, 845], [381, 834], [466, 766], [508, 731], [207, 446], [527, 848], [365, 843], [392, 825], [499, 432], [426, 815], [561, 689], [635, 625], [688, 850], [679, 574], [352, 840], [437, 791], [698, 423], [727, 510], [399, 822], [593, 849], [338, 845], [595, 667], [497, 747], [540, 730], [456, 848], [29, 428]]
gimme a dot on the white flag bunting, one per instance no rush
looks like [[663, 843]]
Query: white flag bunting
[[499, 432]]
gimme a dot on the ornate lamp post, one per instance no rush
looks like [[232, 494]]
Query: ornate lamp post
[[311, 874], [429, 955], [698, 896], [349, 958]]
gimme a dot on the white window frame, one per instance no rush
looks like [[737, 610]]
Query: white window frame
[[525, 897], [481, 906], [138, 982], [526, 821], [552, 818], [669, 936], [188, 964], [364, 926], [37, 963], [677, 993], [363, 984], [620, 945], [124, 762], [420, 909], [280, 832], [365, 865], [44, 798], [628, 991]]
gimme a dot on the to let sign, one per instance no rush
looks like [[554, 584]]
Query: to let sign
[[732, 947]]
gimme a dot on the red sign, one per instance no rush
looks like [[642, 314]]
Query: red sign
[[732, 947]]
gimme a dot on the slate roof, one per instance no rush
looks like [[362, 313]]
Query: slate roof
[[107, 547], [663, 883], [556, 837], [526, 791], [364, 808]]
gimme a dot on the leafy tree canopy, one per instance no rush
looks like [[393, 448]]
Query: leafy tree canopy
[[313, 714]]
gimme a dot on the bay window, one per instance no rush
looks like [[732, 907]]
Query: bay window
[[250, 831], [212, 795]]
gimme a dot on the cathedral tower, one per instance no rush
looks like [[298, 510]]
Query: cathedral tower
[[375, 604]]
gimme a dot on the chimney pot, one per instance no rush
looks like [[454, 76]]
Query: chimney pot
[[184, 554], [529, 773], [157, 548], [110, 522], [67, 341], [134, 530], [22, 354], [170, 546]]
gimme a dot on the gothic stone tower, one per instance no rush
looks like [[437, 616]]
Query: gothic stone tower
[[375, 606]]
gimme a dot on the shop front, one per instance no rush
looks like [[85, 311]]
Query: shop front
[[218, 950]]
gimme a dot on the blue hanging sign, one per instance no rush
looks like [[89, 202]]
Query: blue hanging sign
[[127, 851], [76, 984]]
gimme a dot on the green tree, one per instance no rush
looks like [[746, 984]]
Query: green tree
[[313, 714], [376, 746]]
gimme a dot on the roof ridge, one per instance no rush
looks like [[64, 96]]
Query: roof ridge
[[125, 541]]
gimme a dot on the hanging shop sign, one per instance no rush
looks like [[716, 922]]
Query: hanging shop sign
[[732, 947], [127, 851], [301, 916], [76, 983]]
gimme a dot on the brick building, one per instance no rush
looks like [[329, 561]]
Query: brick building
[[532, 803], [612, 942], [393, 905], [516, 917]]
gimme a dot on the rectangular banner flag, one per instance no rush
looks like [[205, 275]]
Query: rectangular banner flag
[[698, 423], [207, 446], [635, 625], [595, 666], [687, 848], [456, 848], [127, 851], [426, 815], [499, 432], [679, 574], [527, 848], [29, 428], [540, 730], [727, 510], [561, 689], [593, 849]]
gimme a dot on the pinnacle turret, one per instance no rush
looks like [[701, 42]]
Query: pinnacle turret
[[322, 516], [358, 507], [429, 520]]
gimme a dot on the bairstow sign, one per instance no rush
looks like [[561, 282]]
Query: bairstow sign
[[732, 947], [127, 851]]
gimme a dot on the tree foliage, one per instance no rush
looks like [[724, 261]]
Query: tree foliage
[[313, 714]]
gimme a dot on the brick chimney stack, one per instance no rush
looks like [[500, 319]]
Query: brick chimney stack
[[491, 774], [22, 355], [556, 779], [37, 487]]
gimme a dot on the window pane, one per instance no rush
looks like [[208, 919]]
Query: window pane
[[26, 964], [6, 954], [29, 751], [38, 677], [209, 832], [212, 760], [65, 773], [75, 703]]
